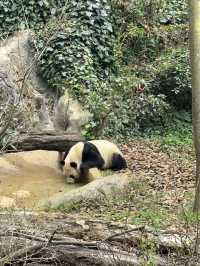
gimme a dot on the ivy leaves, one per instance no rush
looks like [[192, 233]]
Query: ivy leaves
[[80, 55], [15, 15]]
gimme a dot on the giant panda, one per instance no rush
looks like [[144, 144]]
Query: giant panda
[[85, 159]]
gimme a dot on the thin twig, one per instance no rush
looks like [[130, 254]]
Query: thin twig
[[22, 235], [139, 228], [75, 243], [52, 236], [20, 253], [49, 241]]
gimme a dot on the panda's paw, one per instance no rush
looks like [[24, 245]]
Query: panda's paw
[[93, 174]]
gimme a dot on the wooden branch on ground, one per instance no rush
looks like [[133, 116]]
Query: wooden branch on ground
[[75, 241], [45, 140], [70, 255]]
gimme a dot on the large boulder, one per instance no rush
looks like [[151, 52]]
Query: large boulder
[[69, 115], [99, 188], [19, 73]]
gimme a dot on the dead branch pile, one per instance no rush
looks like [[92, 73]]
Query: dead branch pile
[[64, 240]]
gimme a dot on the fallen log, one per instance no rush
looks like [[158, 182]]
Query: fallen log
[[45, 140]]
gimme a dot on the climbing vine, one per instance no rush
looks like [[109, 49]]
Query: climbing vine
[[15, 15], [82, 49], [79, 56]]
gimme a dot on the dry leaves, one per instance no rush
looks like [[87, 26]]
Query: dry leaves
[[146, 161]]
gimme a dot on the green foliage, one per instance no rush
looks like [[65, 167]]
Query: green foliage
[[175, 134], [125, 109], [185, 212], [21, 14], [81, 51], [79, 56], [134, 107], [148, 31], [149, 27], [88, 46], [68, 208], [173, 79], [150, 11], [152, 217], [148, 248], [176, 11], [188, 216]]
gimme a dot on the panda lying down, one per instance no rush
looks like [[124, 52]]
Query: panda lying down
[[84, 160]]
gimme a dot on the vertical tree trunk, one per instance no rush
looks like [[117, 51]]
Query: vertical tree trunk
[[194, 6]]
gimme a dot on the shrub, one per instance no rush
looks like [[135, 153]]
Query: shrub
[[173, 79], [175, 12], [149, 27], [131, 107]]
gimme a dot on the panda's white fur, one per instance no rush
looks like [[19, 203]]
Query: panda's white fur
[[105, 148]]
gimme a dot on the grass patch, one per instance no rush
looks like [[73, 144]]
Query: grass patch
[[151, 217], [69, 208], [185, 213], [175, 137], [137, 205], [186, 216]]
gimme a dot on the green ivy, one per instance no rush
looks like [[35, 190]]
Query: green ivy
[[15, 15], [83, 46], [79, 57]]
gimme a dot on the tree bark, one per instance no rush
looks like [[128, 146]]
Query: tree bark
[[47, 140], [194, 6]]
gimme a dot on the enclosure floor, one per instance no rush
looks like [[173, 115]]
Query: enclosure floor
[[35, 172]]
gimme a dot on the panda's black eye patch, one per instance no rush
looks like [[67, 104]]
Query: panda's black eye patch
[[73, 164], [62, 162]]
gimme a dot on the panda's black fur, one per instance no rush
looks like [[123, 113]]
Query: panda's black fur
[[91, 157]]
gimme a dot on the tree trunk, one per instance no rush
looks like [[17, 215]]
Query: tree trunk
[[194, 6], [46, 140]]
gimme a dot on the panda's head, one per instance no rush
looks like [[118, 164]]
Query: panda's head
[[71, 170], [72, 162]]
